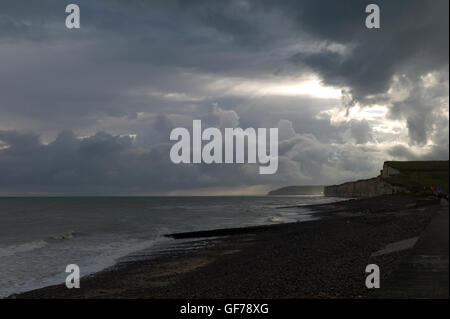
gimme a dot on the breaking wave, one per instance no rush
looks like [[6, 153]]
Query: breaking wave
[[22, 248], [37, 244]]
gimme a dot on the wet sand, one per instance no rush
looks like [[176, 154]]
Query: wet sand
[[323, 258]]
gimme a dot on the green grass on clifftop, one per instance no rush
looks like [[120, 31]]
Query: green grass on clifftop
[[417, 175]]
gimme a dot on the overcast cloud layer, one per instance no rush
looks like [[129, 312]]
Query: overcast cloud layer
[[90, 111]]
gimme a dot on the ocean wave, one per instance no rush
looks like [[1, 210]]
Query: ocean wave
[[37, 244], [22, 248], [68, 235], [281, 219], [274, 219]]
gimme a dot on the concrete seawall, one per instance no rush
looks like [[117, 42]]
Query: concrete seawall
[[424, 272]]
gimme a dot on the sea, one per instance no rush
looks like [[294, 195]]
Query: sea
[[40, 236]]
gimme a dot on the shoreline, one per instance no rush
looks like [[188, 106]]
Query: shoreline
[[322, 258]]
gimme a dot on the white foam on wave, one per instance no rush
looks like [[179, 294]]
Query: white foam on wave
[[106, 255], [30, 246], [278, 219], [68, 235], [22, 248]]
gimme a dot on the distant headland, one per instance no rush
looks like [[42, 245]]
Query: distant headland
[[298, 190]]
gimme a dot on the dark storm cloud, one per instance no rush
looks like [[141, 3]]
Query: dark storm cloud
[[412, 41], [140, 68], [112, 164], [413, 38], [82, 76]]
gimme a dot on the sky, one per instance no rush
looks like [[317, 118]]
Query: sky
[[89, 111]]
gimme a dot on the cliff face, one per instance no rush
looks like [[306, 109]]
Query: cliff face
[[396, 177], [363, 188]]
